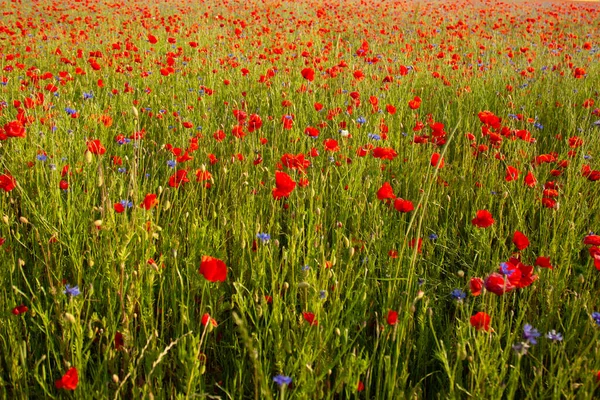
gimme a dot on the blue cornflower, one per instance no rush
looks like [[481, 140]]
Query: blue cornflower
[[530, 334], [121, 170], [587, 157], [596, 123], [361, 120], [71, 291], [264, 237], [89, 95], [305, 267], [433, 236], [538, 126], [322, 294], [282, 380], [505, 269], [171, 163], [513, 116], [553, 335], [126, 203], [458, 295], [520, 348], [42, 157], [70, 111], [596, 317], [374, 136]]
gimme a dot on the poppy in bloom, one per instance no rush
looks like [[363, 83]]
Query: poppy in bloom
[[530, 180], [512, 174], [392, 317], [7, 182], [254, 123], [119, 207], [415, 103], [331, 145], [310, 318], [178, 178], [403, 206], [18, 310], [284, 185], [595, 254], [149, 201], [483, 219], [206, 319], [498, 284], [13, 129], [386, 192], [213, 269], [520, 240], [95, 147], [437, 160], [481, 321], [69, 380], [543, 262], [476, 286], [308, 74], [384, 153], [592, 240]]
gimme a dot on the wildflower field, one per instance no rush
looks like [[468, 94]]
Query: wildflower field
[[299, 199]]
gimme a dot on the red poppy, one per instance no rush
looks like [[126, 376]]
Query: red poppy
[[69, 380], [498, 284], [95, 147], [595, 254], [392, 317], [254, 123], [520, 240], [512, 174], [284, 185], [403, 206], [149, 201], [18, 310], [308, 74], [476, 286], [7, 182], [384, 153], [415, 103], [483, 219], [331, 145], [530, 180], [206, 319], [481, 321], [386, 192], [310, 318], [178, 178], [543, 262], [592, 240], [119, 341], [14, 129], [213, 269], [437, 160], [152, 39]]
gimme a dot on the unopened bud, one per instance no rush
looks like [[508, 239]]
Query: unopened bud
[[23, 220]]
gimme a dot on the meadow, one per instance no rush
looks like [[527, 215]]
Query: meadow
[[303, 200]]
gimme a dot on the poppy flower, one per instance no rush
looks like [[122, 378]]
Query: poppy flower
[[254, 123], [386, 192], [7, 182], [206, 319], [149, 201], [512, 174], [284, 185], [498, 284], [483, 219], [18, 310], [530, 180], [592, 240], [476, 286], [119, 207], [415, 103], [392, 317], [69, 380], [95, 147], [520, 240], [14, 129], [595, 254], [119, 341], [213, 269], [310, 318], [437, 160], [403, 206], [308, 74], [543, 262], [178, 178], [481, 321]]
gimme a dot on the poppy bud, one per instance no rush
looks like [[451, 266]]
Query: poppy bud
[[98, 223], [69, 317], [24, 220], [135, 112], [88, 157], [5, 219]]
